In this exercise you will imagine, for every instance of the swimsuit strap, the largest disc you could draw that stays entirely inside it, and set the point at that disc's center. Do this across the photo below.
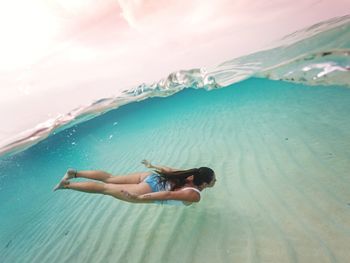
(195, 189)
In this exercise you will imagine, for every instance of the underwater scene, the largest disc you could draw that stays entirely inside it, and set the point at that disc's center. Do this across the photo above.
(273, 125)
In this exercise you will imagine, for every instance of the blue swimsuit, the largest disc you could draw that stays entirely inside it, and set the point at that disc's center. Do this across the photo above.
(153, 180)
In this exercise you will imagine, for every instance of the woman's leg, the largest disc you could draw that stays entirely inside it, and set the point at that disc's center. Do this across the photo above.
(95, 175)
(88, 187)
(109, 189)
(102, 176)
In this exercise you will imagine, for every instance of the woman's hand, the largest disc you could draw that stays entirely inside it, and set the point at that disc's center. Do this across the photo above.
(129, 195)
(158, 167)
(147, 163)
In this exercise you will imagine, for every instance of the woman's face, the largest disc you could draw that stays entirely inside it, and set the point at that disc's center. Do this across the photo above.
(211, 184)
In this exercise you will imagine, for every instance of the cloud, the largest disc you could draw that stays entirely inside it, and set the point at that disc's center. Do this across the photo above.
(168, 16)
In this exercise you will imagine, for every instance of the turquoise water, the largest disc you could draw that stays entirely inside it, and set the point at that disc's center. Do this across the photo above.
(280, 151)
(274, 126)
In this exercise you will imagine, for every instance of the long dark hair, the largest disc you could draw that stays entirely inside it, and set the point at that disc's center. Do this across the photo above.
(178, 178)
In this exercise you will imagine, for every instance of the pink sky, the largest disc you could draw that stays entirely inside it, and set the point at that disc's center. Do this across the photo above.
(60, 54)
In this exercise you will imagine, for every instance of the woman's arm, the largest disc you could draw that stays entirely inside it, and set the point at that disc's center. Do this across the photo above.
(158, 167)
(186, 196)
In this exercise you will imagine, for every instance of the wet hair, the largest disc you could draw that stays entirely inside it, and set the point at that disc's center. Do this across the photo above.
(200, 175)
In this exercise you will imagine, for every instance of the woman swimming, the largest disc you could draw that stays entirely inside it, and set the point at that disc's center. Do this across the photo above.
(160, 186)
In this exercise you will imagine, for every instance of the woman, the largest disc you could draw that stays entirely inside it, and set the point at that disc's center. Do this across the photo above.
(164, 185)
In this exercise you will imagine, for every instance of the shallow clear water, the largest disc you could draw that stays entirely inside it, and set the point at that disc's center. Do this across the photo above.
(280, 152)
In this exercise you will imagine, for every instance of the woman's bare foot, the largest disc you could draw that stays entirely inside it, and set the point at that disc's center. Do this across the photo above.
(71, 173)
(61, 185)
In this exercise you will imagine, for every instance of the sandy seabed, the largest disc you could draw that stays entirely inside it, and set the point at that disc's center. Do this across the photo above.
(280, 152)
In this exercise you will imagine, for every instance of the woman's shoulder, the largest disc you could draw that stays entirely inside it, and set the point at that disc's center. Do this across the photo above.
(190, 188)
(186, 194)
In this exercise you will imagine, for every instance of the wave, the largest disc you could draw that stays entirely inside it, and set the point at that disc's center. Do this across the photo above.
(317, 55)
(324, 47)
